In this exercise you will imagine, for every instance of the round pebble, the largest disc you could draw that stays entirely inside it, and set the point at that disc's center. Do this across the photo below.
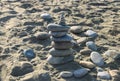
(97, 58)
(46, 16)
(91, 45)
(87, 64)
(66, 74)
(76, 29)
(42, 35)
(65, 38)
(91, 33)
(59, 60)
(29, 53)
(59, 53)
(58, 34)
(104, 75)
(80, 72)
(57, 27)
(62, 45)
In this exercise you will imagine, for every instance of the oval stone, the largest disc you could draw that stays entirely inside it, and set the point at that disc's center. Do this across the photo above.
(29, 53)
(59, 60)
(87, 64)
(80, 72)
(104, 75)
(65, 38)
(60, 53)
(91, 45)
(42, 35)
(76, 29)
(46, 16)
(66, 74)
(97, 58)
(58, 34)
(62, 45)
(57, 27)
(91, 33)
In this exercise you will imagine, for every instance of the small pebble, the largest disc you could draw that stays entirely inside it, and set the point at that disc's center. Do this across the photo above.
(87, 64)
(66, 74)
(58, 34)
(42, 35)
(104, 75)
(29, 53)
(91, 33)
(76, 29)
(97, 58)
(46, 16)
(80, 72)
(91, 45)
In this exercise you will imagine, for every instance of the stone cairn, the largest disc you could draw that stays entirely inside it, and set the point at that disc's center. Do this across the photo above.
(62, 51)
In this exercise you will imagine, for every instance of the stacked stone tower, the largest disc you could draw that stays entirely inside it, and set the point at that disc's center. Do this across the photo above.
(62, 51)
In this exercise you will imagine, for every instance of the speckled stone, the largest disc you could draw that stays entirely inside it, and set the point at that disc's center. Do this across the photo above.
(60, 60)
(57, 27)
(61, 53)
(91, 45)
(42, 35)
(62, 45)
(104, 75)
(65, 38)
(58, 34)
(80, 72)
(97, 58)
(91, 33)
(66, 74)
(76, 29)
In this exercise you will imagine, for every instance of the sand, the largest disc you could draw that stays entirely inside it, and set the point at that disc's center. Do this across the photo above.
(20, 19)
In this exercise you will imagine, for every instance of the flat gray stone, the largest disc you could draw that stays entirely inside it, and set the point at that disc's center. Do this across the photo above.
(65, 38)
(97, 59)
(42, 35)
(76, 29)
(80, 72)
(61, 53)
(62, 45)
(91, 45)
(91, 33)
(66, 74)
(57, 27)
(58, 34)
(104, 75)
(60, 60)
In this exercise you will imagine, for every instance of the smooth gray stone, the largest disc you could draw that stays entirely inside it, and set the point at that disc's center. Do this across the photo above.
(97, 59)
(46, 16)
(65, 38)
(66, 74)
(42, 35)
(76, 29)
(104, 75)
(91, 33)
(80, 72)
(57, 27)
(60, 60)
(91, 45)
(58, 34)
(61, 53)
(62, 45)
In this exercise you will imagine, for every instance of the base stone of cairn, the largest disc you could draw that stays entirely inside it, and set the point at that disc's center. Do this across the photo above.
(62, 51)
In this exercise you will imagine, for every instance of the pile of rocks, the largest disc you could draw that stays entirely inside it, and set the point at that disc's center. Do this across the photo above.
(62, 51)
